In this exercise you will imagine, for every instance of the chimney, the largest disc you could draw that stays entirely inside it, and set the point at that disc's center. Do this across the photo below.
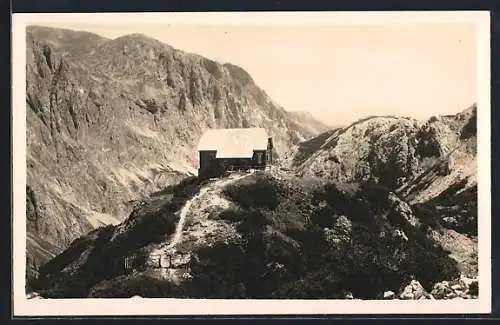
(270, 150)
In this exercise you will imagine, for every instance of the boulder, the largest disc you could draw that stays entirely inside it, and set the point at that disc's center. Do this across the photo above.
(413, 291)
(441, 290)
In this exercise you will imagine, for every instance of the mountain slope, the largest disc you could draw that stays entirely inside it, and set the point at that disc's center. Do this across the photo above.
(376, 149)
(393, 151)
(111, 121)
(430, 165)
(262, 235)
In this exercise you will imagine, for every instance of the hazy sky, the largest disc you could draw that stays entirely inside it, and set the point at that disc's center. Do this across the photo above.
(338, 73)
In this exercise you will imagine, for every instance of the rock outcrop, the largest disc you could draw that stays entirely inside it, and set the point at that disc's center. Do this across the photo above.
(421, 160)
(430, 165)
(459, 288)
(377, 149)
(414, 291)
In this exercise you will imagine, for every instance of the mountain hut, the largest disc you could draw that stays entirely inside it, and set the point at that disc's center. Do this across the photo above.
(222, 150)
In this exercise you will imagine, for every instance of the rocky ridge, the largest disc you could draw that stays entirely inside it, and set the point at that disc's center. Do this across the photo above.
(396, 152)
(431, 164)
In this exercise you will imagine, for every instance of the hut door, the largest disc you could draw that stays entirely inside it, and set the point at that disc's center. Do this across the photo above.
(259, 158)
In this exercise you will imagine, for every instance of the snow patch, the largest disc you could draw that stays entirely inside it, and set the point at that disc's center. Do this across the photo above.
(98, 219)
(142, 131)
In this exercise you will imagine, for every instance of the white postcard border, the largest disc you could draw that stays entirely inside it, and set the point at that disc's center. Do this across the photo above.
(119, 307)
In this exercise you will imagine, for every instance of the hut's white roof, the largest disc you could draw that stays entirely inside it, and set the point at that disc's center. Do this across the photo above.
(234, 143)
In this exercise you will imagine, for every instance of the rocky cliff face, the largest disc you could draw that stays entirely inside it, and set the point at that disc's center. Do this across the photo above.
(110, 121)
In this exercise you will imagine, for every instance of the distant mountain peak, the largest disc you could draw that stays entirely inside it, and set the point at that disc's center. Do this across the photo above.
(139, 38)
(308, 119)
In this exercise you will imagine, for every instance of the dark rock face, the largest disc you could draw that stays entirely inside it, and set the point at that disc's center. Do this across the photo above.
(110, 121)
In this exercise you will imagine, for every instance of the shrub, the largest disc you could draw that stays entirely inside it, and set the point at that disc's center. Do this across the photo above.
(429, 265)
(427, 215)
(255, 192)
(67, 286)
(376, 194)
(474, 288)
(300, 289)
(137, 284)
(318, 285)
(178, 189)
(470, 129)
(216, 285)
(282, 254)
(220, 271)
(233, 214)
(77, 247)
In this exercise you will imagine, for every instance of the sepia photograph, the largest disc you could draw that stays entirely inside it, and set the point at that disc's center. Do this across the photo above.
(299, 162)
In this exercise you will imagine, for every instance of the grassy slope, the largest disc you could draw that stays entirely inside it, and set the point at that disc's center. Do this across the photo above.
(99, 255)
(346, 244)
(300, 238)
